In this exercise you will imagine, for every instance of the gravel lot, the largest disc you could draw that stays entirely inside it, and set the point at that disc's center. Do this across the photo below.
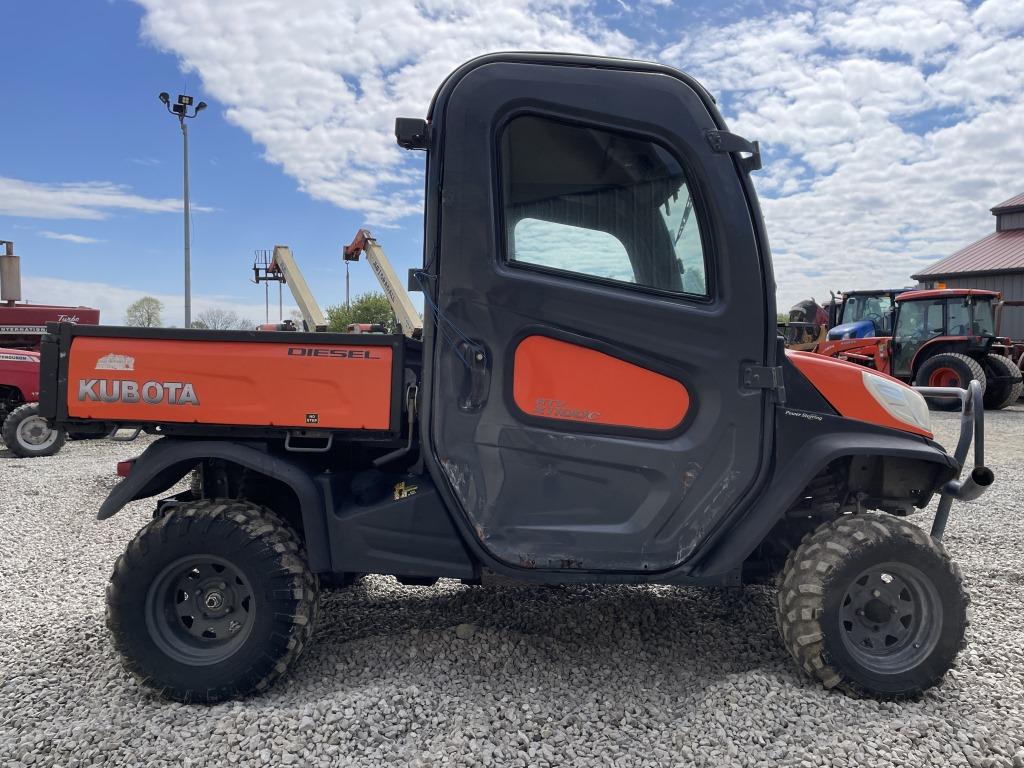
(455, 675)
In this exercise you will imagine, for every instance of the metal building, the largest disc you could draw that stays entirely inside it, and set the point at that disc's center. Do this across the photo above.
(995, 262)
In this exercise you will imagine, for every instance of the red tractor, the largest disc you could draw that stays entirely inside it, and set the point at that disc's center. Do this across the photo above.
(939, 338)
(24, 431)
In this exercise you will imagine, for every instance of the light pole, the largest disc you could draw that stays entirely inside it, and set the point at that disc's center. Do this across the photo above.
(180, 110)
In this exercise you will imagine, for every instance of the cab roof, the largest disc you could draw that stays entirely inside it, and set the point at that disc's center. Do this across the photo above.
(942, 293)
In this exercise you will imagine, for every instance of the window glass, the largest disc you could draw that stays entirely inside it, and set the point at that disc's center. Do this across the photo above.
(984, 318)
(563, 246)
(599, 204)
(958, 316)
(877, 309)
(921, 319)
(917, 322)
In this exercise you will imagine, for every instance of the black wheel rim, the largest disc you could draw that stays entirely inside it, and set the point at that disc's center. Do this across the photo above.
(200, 609)
(891, 618)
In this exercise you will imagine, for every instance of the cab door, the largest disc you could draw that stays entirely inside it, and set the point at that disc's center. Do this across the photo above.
(599, 287)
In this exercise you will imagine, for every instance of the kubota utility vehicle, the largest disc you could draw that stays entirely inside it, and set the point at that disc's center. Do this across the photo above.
(939, 338)
(599, 395)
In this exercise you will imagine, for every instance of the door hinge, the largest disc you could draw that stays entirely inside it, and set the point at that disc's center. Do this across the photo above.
(762, 377)
(723, 141)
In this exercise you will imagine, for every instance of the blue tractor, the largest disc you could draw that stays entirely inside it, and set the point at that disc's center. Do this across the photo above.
(863, 314)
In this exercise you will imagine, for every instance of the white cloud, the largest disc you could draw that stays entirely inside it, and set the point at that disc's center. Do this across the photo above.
(890, 126)
(895, 127)
(77, 200)
(319, 83)
(67, 237)
(113, 300)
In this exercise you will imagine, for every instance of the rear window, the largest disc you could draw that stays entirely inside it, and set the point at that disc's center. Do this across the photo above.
(600, 205)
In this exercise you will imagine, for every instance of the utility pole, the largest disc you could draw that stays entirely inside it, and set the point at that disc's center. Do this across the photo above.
(180, 110)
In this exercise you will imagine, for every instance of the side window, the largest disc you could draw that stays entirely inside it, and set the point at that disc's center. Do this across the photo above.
(572, 249)
(598, 204)
(958, 316)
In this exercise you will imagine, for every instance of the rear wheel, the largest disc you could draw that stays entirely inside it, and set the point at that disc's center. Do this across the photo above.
(212, 600)
(1001, 394)
(874, 605)
(949, 369)
(26, 433)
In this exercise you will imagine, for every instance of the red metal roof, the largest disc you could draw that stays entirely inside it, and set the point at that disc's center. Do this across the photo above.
(999, 252)
(942, 293)
(1013, 202)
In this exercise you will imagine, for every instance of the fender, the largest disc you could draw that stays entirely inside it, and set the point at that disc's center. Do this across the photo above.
(794, 470)
(936, 346)
(168, 460)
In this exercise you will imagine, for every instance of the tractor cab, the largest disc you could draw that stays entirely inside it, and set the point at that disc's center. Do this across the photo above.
(928, 320)
(865, 314)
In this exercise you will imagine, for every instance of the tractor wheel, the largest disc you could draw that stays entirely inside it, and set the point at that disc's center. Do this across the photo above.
(27, 434)
(213, 600)
(873, 605)
(999, 395)
(949, 369)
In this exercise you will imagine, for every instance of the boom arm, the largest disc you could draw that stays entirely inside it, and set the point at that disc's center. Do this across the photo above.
(285, 263)
(398, 297)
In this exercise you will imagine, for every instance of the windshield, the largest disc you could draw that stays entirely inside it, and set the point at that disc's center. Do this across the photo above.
(876, 308)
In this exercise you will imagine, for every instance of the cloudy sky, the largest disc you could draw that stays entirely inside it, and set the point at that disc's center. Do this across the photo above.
(889, 129)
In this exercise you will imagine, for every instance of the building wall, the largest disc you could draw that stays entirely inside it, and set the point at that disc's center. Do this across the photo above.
(1011, 286)
(1010, 221)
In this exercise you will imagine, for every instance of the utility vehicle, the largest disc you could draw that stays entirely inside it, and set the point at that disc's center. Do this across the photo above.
(599, 395)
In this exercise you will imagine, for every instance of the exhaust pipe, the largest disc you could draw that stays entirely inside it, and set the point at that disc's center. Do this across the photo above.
(10, 275)
(968, 490)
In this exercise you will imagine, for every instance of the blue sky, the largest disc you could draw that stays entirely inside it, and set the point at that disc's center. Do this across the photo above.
(889, 128)
(83, 107)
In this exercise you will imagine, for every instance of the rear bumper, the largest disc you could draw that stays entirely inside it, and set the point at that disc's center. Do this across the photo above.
(972, 429)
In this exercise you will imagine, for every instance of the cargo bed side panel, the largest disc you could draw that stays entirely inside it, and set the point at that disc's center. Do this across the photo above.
(202, 381)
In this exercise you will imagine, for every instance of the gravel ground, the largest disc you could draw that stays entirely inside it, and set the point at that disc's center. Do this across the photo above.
(456, 675)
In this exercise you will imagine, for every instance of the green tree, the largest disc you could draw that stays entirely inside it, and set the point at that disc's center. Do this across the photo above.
(147, 312)
(222, 320)
(366, 308)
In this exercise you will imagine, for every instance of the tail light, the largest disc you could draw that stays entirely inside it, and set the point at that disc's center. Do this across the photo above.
(124, 468)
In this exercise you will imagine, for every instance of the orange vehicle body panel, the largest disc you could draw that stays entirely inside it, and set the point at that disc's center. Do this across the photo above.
(558, 380)
(278, 384)
(875, 349)
(841, 383)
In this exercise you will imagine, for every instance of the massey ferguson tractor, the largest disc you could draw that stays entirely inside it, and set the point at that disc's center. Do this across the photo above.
(936, 338)
(598, 395)
(23, 430)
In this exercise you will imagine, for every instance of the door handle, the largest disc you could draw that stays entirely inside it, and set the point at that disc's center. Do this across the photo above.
(476, 382)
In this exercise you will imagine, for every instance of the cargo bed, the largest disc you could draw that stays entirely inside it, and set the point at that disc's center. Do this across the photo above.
(211, 383)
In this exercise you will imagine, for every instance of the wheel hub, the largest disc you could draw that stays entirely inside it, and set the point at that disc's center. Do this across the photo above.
(891, 617)
(199, 609)
(36, 432)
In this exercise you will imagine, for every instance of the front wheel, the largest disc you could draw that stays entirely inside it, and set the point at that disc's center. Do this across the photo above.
(26, 433)
(211, 601)
(873, 605)
(949, 369)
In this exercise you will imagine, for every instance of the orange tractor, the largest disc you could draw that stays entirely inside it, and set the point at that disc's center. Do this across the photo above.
(938, 338)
